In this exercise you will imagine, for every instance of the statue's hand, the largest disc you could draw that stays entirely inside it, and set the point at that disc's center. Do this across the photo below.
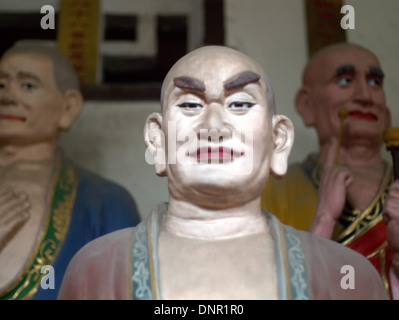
(14, 212)
(390, 215)
(334, 181)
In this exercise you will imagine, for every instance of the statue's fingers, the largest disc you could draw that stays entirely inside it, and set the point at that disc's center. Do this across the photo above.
(13, 207)
(6, 195)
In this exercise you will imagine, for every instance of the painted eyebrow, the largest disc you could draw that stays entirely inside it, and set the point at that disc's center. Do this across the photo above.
(345, 69)
(241, 79)
(21, 74)
(376, 72)
(190, 83)
(24, 74)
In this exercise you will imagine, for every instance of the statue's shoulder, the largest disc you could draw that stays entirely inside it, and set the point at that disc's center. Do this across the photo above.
(107, 243)
(101, 269)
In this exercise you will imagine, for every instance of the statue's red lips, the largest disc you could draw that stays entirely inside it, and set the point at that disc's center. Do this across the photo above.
(217, 153)
(12, 117)
(363, 115)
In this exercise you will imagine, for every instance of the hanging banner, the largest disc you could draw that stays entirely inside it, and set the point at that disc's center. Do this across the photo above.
(78, 36)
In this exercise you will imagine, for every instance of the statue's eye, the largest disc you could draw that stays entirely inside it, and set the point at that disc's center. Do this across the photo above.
(28, 85)
(240, 105)
(344, 81)
(190, 105)
(374, 82)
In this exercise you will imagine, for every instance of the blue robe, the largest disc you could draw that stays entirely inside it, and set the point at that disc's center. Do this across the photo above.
(100, 207)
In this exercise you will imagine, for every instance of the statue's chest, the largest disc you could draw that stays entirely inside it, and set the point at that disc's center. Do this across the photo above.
(225, 269)
(19, 246)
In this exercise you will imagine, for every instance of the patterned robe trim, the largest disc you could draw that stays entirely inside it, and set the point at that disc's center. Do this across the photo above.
(355, 223)
(59, 205)
(289, 252)
(290, 261)
(145, 275)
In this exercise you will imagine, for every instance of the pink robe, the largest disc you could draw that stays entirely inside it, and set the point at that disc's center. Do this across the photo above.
(308, 267)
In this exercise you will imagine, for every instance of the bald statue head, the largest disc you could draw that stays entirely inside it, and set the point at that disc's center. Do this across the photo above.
(313, 71)
(224, 54)
(344, 75)
(218, 105)
(63, 72)
(39, 95)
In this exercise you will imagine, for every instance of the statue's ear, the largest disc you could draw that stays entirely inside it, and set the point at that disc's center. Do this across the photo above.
(154, 140)
(71, 108)
(283, 137)
(304, 106)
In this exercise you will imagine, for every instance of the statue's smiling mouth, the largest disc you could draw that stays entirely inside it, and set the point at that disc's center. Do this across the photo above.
(219, 154)
(363, 115)
(12, 117)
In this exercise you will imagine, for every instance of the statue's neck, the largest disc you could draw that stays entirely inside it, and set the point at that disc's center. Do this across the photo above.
(10, 154)
(192, 221)
(355, 155)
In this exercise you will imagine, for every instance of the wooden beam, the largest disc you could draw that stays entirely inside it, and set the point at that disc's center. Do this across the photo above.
(323, 20)
(214, 22)
(122, 92)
